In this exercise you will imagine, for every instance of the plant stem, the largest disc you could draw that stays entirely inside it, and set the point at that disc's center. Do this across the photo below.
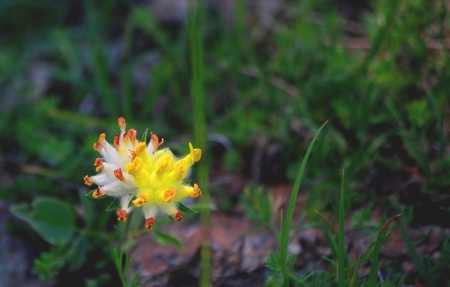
(198, 96)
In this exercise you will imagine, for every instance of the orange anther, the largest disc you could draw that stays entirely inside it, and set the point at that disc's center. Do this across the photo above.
(99, 164)
(97, 147)
(142, 198)
(168, 195)
(155, 141)
(132, 135)
(88, 180)
(122, 215)
(133, 154)
(149, 223)
(122, 123)
(118, 173)
(116, 140)
(196, 192)
(178, 216)
(101, 138)
(98, 193)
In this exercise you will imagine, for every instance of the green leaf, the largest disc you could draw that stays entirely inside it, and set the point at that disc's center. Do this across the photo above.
(111, 206)
(78, 252)
(200, 207)
(185, 209)
(144, 136)
(52, 219)
(166, 239)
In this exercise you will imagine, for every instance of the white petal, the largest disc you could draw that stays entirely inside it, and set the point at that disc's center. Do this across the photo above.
(149, 210)
(110, 153)
(125, 202)
(115, 189)
(101, 179)
(169, 208)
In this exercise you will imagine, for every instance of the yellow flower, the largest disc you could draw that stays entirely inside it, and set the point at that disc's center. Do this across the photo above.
(158, 177)
(151, 179)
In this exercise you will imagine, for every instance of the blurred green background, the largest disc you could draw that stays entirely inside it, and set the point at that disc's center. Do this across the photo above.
(274, 72)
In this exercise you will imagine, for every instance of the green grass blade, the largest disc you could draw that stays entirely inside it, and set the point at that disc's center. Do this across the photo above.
(415, 256)
(284, 237)
(409, 144)
(99, 63)
(341, 237)
(373, 275)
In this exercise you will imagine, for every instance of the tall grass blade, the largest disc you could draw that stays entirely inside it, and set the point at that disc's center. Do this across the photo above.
(373, 275)
(284, 236)
(341, 237)
(415, 256)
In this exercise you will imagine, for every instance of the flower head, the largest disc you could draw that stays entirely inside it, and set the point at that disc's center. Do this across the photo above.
(139, 173)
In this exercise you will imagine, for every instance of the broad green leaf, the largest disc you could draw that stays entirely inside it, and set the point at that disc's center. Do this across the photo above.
(166, 239)
(52, 219)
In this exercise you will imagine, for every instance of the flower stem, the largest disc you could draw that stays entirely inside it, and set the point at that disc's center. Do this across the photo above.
(198, 97)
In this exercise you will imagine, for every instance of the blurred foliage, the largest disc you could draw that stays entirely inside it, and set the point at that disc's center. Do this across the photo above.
(274, 73)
